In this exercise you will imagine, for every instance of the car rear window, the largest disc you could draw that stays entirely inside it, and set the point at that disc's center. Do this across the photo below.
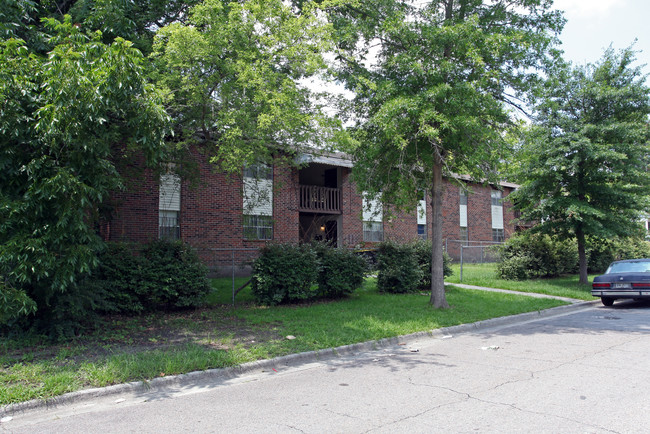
(629, 267)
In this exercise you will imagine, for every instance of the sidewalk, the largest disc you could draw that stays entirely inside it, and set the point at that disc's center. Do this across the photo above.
(528, 294)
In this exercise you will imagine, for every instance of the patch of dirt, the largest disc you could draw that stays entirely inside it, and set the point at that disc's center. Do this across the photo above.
(213, 327)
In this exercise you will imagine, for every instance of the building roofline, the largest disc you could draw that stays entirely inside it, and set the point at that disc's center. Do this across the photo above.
(340, 159)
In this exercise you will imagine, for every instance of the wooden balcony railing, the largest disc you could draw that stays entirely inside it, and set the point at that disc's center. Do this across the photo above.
(320, 199)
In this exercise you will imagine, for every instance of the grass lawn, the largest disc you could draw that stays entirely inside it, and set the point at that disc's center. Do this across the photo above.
(141, 348)
(484, 275)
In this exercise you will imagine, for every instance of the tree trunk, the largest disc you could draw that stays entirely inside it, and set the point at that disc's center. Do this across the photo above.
(582, 256)
(438, 298)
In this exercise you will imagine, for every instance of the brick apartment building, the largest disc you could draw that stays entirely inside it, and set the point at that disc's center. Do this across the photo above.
(225, 216)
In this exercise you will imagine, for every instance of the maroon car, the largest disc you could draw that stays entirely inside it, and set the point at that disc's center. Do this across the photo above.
(623, 279)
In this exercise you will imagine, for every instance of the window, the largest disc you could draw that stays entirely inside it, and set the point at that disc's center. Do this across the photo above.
(258, 227)
(496, 198)
(497, 216)
(373, 232)
(258, 171)
(258, 202)
(422, 217)
(462, 209)
(464, 235)
(169, 207)
(422, 232)
(168, 227)
(463, 196)
(373, 217)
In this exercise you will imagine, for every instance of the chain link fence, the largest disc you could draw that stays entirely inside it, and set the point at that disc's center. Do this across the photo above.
(475, 252)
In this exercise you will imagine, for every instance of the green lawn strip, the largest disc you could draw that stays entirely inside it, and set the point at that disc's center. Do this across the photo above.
(367, 315)
(484, 275)
(222, 291)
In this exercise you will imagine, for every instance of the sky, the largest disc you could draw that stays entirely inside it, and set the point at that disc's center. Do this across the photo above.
(592, 25)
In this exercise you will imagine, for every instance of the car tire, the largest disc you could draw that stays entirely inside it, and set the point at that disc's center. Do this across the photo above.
(607, 301)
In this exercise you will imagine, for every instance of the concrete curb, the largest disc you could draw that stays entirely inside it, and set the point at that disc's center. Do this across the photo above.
(289, 360)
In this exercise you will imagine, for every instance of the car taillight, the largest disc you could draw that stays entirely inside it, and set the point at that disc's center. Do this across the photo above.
(600, 285)
(640, 285)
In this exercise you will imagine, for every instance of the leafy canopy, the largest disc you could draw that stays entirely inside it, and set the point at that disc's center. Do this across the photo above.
(232, 74)
(434, 84)
(585, 158)
(68, 120)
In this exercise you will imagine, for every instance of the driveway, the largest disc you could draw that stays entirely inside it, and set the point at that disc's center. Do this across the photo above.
(585, 371)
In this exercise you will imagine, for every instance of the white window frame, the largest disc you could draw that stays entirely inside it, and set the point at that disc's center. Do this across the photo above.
(257, 202)
(169, 206)
(373, 219)
(497, 209)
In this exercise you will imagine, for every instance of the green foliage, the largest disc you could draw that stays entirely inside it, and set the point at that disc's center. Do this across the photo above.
(232, 75)
(585, 159)
(341, 271)
(398, 268)
(135, 20)
(433, 95)
(14, 304)
(601, 253)
(69, 120)
(163, 275)
(533, 255)
(285, 273)
(422, 252)
(530, 255)
(406, 267)
(175, 277)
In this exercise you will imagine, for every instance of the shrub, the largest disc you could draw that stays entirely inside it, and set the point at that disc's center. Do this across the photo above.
(284, 273)
(422, 251)
(631, 248)
(528, 255)
(174, 276)
(601, 253)
(341, 271)
(163, 275)
(398, 268)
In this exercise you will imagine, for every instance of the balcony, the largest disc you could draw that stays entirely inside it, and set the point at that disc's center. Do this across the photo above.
(321, 200)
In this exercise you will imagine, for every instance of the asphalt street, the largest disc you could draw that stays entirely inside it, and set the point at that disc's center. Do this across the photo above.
(584, 371)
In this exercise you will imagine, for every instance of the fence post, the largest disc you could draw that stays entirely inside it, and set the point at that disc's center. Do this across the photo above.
(461, 262)
(233, 277)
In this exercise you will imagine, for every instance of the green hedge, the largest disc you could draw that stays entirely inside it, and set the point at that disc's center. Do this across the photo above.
(406, 267)
(530, 255)
(341, 271)
(601, 253)
(162, 275)
(286, 273)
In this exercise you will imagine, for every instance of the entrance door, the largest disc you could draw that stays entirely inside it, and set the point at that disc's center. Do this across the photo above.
(331, 232)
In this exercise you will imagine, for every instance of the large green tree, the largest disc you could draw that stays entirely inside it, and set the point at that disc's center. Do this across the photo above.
(434, 83)
(233, 75)
(134, 20)
(585, 160)
(67, 120)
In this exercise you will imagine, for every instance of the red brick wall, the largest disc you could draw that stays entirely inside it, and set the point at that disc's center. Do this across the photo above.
(401, 226)
(351, 208)
(286, 216)
(211, 212)
(135, 210)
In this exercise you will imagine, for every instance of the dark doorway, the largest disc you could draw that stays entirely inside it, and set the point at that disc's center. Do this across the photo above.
(330, 232)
